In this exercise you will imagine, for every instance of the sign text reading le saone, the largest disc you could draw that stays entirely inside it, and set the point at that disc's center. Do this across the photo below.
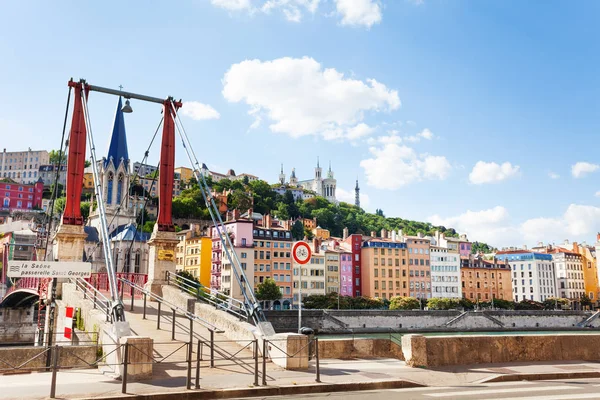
(49, 269)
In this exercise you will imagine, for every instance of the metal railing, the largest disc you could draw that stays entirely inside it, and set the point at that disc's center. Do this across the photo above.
(210, 296)
(96, 297)
(100, 280)
(174, 308)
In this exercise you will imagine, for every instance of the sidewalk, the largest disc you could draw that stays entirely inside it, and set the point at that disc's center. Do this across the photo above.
(93, 384)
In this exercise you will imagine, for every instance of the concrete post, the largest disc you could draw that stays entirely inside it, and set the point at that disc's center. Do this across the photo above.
(161, 259)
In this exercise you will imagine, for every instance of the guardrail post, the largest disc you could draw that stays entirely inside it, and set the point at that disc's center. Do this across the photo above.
(125, 362)
(158, 319)
(189, 367)
(107, 313)
(54, 371)
(95, 297)
(173, 326)
(198, 358)
(132, 297)
(212, 349)
(122, 287)
(191, 329)
(317, 357)
(264, 362)
(145, 296)
(255, 362)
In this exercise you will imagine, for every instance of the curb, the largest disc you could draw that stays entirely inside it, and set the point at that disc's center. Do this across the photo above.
(287, 390)
(542, 376)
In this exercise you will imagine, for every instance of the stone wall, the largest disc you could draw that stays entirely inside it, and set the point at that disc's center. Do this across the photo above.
(17, 325)
(372, 321)
(346, 349)
(437, 351)
(34, 358)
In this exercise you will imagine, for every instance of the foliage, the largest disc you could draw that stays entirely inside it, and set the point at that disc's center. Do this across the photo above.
(404, 303)
(330, 301)
(54, 157)
(585, 300)
(59, 205)
(504, 304)
(529, 305)
(552, 303)
(466, 304)
(87, 163)
(268, 290)
(298, 230)
(480, 247)
(185, 274)
(85, 210)
(148, 226)
(444, 303)
(239, 199)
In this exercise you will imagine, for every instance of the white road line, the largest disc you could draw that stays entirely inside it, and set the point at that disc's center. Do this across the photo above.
(575, 396)
(499, 391)
(474, 385)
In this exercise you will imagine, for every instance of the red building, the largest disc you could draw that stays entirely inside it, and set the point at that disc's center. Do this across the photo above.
(17, 196)
(355, 242)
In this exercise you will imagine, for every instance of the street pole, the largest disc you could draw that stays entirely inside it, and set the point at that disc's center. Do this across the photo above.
(299, 297)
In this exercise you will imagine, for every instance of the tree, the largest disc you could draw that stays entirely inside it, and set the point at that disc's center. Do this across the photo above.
(437, 303)
(553, 303)
(268, 290)
(148, 226)
(59, 188)
(246, 180)
(298, 230)
(59, 205)
(87, 163)
(54, 157)
(585, 301)
(85, 210)
(379, 212)
(404, 303)
(240, 200)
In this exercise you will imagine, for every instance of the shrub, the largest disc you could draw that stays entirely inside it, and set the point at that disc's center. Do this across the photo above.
(404, 303)
(442, 303)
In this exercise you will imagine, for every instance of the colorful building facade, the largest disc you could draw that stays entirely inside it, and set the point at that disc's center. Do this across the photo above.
(484, 280)
(384, 268)
(17, 197)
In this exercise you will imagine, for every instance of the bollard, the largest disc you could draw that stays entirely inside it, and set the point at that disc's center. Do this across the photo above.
(158, 319)
(125, 361)
(255, 362)
(264, 363)
(144, 316)
(54, 371)
(317, 357)
(188, 382)
(212, 349)
(173, 326)
(132, 298)
(198, 358)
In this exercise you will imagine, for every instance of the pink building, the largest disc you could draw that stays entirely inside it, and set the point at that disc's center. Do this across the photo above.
(464, 246)
(16, 196)
(346, 273)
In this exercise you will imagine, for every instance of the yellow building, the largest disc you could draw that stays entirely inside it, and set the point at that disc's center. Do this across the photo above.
(384, 268)
(321, 233)
(185, 173)
(88, 182)
(590, 271)
(193, 254)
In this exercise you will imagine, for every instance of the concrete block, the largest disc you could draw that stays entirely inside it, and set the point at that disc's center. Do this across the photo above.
(289, 350)
(140, 357)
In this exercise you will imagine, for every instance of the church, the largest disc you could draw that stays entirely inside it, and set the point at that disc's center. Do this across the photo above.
(324, 187)
(128, 243)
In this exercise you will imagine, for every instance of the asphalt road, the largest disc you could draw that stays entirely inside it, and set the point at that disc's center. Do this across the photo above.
(540, 390)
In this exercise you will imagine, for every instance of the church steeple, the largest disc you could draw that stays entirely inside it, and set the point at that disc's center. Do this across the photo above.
(318, 171)
(357, 195)
(117, 149)
(282, 176)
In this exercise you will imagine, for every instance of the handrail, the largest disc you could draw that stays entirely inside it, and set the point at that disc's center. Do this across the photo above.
(98, 299)
(186, 313)
(229, 304)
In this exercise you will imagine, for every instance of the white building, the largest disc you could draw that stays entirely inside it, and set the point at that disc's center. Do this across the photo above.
(324, 187)
(445, 273)
(533, 275)
(22, 166)
(312, 279)
(570, 283)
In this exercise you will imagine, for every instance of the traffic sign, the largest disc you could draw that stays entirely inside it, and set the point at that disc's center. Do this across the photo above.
(301, 252)
(49, 269)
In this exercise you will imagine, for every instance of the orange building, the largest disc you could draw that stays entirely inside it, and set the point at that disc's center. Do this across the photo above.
(384, 268)
(273, 258)
(419, 272)
(483, 280)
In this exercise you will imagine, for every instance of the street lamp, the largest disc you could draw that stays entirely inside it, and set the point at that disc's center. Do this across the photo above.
(127, 107)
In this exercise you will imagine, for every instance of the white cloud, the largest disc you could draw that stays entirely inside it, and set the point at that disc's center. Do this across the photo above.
(360, 130)
(199, 111)
(553, 175)
(597, 193)
(484, 172)
(424, 134)
(580, 169)
(302, 98)
(349, 197)
(577, 223)
(359, 12)
(491, 226)
(233, 5)
(393, 166)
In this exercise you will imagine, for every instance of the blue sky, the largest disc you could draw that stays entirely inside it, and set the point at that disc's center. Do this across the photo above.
(473, 114)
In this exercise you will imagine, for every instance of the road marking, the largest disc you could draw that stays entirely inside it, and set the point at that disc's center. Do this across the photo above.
(499, 391)
(575, 396)
(474, 385)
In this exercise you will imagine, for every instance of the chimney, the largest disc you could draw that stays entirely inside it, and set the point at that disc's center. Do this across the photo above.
(250, 213)
(394, 237)
(419, 234)
(383, 233)
(267, 221)
(598, 237)
(540, 244)
(345, 233)
(236, 214)
(524, 247)
(566, 241)
(373, 234)
(316, 246)
(400, 238)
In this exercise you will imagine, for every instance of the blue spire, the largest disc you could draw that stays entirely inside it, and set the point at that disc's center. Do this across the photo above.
(118, 140)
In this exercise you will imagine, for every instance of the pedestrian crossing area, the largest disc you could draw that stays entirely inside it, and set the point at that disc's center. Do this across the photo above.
(572, 390)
